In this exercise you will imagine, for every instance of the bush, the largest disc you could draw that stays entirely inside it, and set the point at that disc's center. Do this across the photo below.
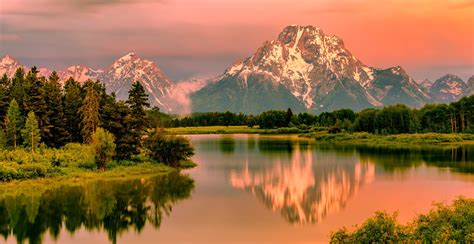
(103, 147)
(168, 149)
(444, 224)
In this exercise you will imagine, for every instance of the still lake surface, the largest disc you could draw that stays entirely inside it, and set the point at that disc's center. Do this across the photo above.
(247, 189)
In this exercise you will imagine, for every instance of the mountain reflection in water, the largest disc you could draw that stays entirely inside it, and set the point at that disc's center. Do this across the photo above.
(305, 182)
(112, 206)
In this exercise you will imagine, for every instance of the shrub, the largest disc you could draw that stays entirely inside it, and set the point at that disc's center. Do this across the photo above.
(103, 147)
(168, 149)
(444, 224)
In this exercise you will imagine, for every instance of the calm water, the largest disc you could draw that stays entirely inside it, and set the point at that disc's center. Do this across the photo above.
(246, 189)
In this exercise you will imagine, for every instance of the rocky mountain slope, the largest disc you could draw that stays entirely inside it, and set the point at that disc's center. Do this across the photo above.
(448, 88)
(118, 77)
(305, 64)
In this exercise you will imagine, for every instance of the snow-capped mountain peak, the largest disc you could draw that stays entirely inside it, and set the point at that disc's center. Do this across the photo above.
(129, 69)
(8, 65)
(80, 73)
(301, 58)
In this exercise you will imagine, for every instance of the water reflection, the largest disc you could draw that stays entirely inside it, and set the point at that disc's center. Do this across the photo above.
(305, 182)
(112, 206)
(304, 189)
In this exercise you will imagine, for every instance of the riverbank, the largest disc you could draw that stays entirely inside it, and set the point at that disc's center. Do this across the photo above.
(229, 130)
(72, 163)
(392, 140)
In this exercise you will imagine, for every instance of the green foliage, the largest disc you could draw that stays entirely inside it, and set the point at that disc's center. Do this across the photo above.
(90, 113)
(31, 133)
(138, 102)
(444, 224)
(103, 147)
(72, 106)
(13, 123)
(168, 149)
(58, 133)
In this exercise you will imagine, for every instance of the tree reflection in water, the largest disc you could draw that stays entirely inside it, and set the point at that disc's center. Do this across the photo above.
(112, 206)
(305, 183)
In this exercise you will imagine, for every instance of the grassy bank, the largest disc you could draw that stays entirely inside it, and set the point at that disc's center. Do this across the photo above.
(230, 130)
(72, 163)
(388, 140)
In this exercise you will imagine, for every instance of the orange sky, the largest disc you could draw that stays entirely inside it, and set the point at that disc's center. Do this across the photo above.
(202, 37)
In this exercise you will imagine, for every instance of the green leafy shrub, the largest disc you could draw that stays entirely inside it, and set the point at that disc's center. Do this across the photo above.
(103, 147)
(444, 224)
(168, 149)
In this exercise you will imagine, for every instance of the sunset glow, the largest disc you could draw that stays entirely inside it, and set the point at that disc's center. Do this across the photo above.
(191, 39)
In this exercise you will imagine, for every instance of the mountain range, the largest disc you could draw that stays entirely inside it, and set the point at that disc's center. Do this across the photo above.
(303, 68)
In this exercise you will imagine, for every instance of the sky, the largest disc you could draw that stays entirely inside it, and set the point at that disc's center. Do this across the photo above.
(200, 38)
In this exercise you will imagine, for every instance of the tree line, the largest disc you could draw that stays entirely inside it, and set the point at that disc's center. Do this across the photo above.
(37, 111)
(457, 117)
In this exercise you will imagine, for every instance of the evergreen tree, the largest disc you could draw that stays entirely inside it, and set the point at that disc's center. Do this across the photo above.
(13, 122)
(72, 106)
(138, 102)
(31, 132)
(90, 113)
(289, 116)
(36, 102)
(4, 96)
(3, 139)
(54, 101)
(18, 87)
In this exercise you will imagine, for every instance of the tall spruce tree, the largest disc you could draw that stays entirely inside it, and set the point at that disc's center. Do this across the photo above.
(13, 124)
(18, 87)
(36, 102)
(4, 96)
(31, 133)
(138, 102)
(54, 101)
(72, 106)
(90, 113)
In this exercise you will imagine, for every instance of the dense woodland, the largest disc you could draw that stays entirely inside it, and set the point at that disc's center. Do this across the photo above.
(457, 117)
(41, 112)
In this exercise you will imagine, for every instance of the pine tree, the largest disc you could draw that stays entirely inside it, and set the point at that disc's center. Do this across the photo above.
(18, 87)
(90, 114)
(4, 96)
(289, 116)
(116, 119)
(72, 107)
(138, 102)
(36, 102)
(31, 132)
(3, 139)
(54, 101)
(13, 122)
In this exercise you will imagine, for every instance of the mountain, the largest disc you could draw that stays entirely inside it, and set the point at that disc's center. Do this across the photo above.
(470, 87)
(118, 77)
(306, 70)
(128, 69)
(448, 88)
(80, 73)
(425, 84)
(393, 86)
(8, 65)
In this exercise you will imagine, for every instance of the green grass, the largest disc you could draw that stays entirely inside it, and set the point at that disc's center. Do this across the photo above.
(72, 163)
(400, 139)
(229, 130)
